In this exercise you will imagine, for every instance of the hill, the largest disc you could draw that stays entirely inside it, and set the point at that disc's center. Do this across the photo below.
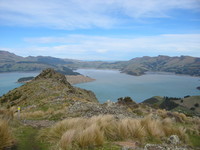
(49, 87)
(7, 57)
(10, 62)
(179, 65)
(188, 105)
(186, 65)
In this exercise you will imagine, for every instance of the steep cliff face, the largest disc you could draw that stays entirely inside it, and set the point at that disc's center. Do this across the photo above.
(48, 87)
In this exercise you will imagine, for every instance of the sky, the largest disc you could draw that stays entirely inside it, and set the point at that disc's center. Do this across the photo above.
(100, 29)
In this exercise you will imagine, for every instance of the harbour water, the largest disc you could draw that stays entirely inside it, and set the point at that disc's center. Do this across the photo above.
(111, 84)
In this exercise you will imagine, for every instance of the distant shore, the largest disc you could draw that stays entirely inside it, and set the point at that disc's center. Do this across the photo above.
(75, 79)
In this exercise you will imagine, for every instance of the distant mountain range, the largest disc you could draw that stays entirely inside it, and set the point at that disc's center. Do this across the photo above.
(10, 62)
(137, 66)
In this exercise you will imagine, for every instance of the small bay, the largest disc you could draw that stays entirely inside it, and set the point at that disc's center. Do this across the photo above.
(111, 84)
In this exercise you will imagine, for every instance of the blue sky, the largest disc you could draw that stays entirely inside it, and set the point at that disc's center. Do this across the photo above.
(100, 29)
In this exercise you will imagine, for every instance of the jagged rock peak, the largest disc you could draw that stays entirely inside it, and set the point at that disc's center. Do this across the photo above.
(52, 74)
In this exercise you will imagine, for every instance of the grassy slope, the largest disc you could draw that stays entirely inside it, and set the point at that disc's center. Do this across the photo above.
(184, 105)
(189, 102)
(180, 65)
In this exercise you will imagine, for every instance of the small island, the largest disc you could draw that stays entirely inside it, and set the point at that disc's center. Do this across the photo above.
(25, 79)
(198, 88)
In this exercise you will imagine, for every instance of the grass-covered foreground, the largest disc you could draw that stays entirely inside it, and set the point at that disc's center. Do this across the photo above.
(98, 132)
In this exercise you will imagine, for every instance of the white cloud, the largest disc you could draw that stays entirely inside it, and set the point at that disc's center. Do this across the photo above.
(72, 14)
(91, 47)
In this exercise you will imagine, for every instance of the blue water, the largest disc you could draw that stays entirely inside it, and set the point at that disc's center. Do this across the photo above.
(8, 81)
(111, 84)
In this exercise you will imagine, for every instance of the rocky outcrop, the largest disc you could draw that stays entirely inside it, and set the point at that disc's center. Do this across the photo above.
(85, 109)
(172, 143)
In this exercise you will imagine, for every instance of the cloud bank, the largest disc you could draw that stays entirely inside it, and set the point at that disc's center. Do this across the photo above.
(73, 14)
(109, 48)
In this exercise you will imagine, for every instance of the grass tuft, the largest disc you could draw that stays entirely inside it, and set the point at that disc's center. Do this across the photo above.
(6, 138)
(94, 131)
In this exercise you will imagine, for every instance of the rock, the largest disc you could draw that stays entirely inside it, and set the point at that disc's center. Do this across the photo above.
(173, 139)
(38, 123)
(109, 103)
(153, 147)
(165, 147)
(128, 145)
(88, 109)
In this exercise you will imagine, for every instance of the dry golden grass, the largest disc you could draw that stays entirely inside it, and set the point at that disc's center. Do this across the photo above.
(67, 139)
(153, 127)
(6, 138)
(40, 114)
(94, 131)
(91, 136)
(7, 114)
(179, 117)
(35, 114)
(130, 129)
(162, 113)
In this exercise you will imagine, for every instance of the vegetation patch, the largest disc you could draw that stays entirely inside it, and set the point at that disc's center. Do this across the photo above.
(95, 131)
(6, 138)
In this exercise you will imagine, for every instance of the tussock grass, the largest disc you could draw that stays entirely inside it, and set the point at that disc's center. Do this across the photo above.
(130, 128)
(41, 114)
(67, 139)
(94, 131)
(179, 117)
(7, 114)
(6, 138)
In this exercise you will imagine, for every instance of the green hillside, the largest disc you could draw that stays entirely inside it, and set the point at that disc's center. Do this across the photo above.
(188, 105)
(179, 65)
(10, 62)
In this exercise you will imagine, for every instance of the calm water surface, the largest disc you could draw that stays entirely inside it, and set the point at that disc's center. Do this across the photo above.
(111, 84)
